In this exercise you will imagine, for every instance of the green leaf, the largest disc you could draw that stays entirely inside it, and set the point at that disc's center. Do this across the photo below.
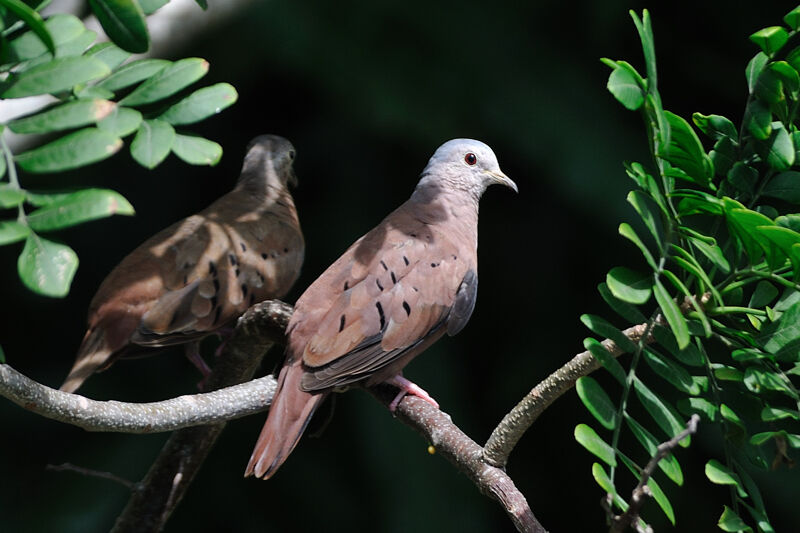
(676, 375)
(785, 186)
(770, 39)
(623, 85)
(625, 310)
(754, 68)
(150, 6)
(720, 474)
(597, 401)
(202, 3)
(655, 489)
(685, 151)
(730, 521)
(787, 74)
(76, 149)
(673, 314)
(201, 104)
(72, 114)
(196, 150)
(778, 149)
(133, 73)
(669, 464)
(723, 156)
(55, 76)
(729, 415)
(763, 295)
(47, 267)
(627, 231)
(642, 203)
(589, 439)
(12, 231)
(727, 373)
(689, 356)
(715, 126)
(783, 335)
(629, 285)
(167, 82)
(758, 379)
(123, 22)
(109, 53)
(713, 253)
(152, 142)
(78, 207)
(10, 196)
(769, 87)
(3, 358)
(33, 20)
(602, 479)
(771, 414)
(93, 92)
(605, 358)
(606, 329)
(664, 415)
(41, 199)
(707, 410)
(62, 28)
(744, 223)
(121, 121)
(758, 119)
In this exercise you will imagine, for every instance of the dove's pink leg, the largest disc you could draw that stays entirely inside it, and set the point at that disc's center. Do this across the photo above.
(408, 387)
(224, 334)
(193, 355)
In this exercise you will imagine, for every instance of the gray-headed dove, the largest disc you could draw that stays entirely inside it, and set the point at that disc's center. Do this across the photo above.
(392, 294)
(198, 275)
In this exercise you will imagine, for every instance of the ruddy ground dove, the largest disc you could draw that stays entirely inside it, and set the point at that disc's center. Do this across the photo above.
(392, 294)
(198, 275)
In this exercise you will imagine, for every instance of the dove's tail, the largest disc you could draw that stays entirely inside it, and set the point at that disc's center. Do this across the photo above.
(288, 417)
(93, 355)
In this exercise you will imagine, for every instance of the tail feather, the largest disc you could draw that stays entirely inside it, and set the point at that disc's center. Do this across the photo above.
(288, 417)
(93, 354)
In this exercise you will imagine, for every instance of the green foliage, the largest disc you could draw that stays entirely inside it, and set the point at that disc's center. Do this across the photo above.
(722, 263)
(97, 89)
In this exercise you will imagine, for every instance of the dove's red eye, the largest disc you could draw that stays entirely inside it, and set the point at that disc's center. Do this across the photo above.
(470, 158)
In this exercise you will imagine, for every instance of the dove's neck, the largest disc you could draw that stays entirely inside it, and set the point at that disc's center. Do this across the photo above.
(260, 179)
(439, 205)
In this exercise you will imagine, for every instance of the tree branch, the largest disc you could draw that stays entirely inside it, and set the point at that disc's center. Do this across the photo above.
(151, 505)
(464, 453)
(640, 494)
(508, 432)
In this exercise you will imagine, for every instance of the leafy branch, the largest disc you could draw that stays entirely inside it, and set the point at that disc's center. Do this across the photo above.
(99, 98)
(721, 237)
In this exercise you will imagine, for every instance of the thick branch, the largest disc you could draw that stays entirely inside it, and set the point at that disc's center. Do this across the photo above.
(642, 492)
(121, 417)
(438, 428)
(151, 505)
(508, 432)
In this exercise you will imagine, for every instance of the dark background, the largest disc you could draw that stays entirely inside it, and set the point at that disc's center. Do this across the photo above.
(366, 91)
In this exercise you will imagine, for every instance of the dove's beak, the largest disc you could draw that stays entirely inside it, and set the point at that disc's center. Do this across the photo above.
(501, 179)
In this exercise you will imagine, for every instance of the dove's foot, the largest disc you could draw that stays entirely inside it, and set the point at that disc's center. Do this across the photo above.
(408, 387)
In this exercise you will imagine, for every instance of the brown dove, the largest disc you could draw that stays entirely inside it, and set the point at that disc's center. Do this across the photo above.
(197, 276)
(393, 293)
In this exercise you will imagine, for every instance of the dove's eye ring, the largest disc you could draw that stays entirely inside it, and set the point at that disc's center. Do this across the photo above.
(470, 159)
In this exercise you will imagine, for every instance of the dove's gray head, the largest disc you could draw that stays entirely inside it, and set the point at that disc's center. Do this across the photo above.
(268, 161)
(464, 164)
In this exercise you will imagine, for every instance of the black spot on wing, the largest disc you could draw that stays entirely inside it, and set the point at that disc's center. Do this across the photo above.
(381, 315)
(341, 323)
(407, 308)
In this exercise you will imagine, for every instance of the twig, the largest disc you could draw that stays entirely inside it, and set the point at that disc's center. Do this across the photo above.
(508, 432)
(640, 494)
(68, 467)
(464, 453)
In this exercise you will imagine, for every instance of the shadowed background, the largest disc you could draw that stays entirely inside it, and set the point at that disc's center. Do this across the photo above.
(366, 92)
